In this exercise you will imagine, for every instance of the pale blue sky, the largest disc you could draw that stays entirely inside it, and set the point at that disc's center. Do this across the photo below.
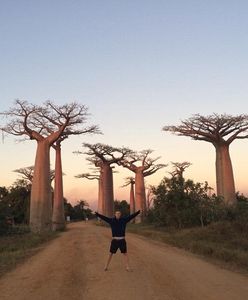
(138, 65)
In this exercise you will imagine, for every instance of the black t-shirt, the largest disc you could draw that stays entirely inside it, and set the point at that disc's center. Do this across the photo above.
(118, 226)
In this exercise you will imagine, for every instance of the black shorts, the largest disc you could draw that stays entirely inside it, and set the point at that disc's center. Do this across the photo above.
(118, 244)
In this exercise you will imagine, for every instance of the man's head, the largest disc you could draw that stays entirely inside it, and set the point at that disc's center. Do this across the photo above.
(117, 214)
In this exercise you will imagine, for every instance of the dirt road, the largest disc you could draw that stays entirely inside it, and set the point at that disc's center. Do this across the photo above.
(71, 267)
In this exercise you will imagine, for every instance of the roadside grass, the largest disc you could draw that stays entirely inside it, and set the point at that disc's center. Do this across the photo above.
(225, 243)
(19, 245)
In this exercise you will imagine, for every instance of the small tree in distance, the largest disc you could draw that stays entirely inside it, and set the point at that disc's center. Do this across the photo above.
(131, 181)
(98, 178)
(123, 206)
(104, 157)
(27, 174)
(142, 165)
(179, 168)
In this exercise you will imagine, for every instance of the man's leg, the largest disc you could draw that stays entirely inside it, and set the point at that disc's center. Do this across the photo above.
(112, 250)
(108, 261)
(126, 259)
(123, 248)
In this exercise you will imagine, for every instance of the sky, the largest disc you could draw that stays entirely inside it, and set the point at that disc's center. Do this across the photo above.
(138, 65)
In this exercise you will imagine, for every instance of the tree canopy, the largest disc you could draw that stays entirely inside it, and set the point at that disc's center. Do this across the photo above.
(215, 128)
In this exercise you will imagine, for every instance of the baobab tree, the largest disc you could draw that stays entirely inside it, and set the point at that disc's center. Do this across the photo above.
(149, 198)
(177, 173)
(58, 218)
(44, 124)
(103, 157)
(145, 168)
(27, 174)
(131, 181)
(179, 168)
(100, 190)
(221, 131)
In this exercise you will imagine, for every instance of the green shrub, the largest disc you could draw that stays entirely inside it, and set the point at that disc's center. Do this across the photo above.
(182, 204)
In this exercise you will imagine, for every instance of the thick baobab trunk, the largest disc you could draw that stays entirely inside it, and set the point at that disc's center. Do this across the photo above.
(140, 196)
(58, 218)
(41, 195)
(224, 175)
(108, 193)
(132, 203)
(100, 207)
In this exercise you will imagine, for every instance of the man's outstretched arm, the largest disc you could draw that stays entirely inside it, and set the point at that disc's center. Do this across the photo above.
(132, 216)
(104, 218)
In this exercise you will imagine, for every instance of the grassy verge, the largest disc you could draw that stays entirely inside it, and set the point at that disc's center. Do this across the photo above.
(15, 248)
(224, 243)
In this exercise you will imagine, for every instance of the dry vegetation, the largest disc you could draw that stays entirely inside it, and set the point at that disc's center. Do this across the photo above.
(16, 247)
(222, 242)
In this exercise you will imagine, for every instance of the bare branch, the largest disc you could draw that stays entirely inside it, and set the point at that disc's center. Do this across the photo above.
(21, 119)
(179, 168)
(154, 169)
(129, 181)
(214, 128)
(147, 164)
(49, 121)
(105, 153)
(27, 173)
(88, 176)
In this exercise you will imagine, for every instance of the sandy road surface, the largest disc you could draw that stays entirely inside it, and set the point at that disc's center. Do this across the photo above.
(71, 267)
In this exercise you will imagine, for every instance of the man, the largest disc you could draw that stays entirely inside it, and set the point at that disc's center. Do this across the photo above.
(118, 227)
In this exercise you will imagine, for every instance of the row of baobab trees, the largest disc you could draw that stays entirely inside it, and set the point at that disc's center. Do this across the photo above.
(50, 124)
(104, 157)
